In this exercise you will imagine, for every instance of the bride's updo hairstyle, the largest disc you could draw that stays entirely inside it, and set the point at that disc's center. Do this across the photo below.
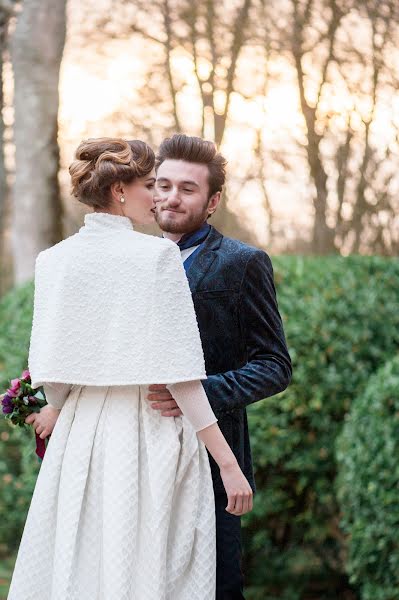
(100, 162)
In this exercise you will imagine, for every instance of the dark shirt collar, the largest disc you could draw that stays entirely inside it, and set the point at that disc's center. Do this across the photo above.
(194, 238)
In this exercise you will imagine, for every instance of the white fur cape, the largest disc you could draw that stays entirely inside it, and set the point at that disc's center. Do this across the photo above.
(113, 307)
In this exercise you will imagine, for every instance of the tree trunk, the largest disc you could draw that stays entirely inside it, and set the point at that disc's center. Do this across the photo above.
(6, 11)
(36, 53)
(3, 174)
(323, 236)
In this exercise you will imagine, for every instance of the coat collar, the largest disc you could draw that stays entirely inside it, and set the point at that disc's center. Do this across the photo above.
(101, 221)
(204, 259)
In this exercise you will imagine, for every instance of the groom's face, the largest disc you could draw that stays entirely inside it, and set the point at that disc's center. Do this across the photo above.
(181, 196)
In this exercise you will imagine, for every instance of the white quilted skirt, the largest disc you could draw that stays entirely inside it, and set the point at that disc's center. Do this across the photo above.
(123, 507)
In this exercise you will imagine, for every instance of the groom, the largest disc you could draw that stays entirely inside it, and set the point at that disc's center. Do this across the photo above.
(242, 335)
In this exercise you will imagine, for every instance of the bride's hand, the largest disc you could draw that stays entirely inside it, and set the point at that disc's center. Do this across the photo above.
(239, 492)
(44, 421)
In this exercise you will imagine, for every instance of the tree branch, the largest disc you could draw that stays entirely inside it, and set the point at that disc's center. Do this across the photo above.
(239, 30)
(168, 63)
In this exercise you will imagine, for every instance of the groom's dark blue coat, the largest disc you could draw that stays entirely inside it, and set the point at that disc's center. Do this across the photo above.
(246, 355)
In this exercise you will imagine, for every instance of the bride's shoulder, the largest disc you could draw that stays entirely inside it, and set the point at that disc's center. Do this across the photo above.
(54, 252)
(150, 243)
(125, 245)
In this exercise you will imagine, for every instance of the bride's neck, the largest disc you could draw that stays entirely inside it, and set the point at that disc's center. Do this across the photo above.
(110, 212)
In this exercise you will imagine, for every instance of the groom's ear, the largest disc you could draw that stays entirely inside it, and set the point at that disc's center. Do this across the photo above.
(214, 203)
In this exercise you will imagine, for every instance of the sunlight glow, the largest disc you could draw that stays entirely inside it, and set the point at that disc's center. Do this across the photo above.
(92, 93)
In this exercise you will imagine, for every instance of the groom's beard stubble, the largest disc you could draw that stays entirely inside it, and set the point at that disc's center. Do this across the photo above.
(180, 223)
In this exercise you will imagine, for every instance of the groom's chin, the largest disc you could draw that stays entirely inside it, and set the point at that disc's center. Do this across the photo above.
(170, 225)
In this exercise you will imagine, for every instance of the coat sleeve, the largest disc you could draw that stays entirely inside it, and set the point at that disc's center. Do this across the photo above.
(268, 369)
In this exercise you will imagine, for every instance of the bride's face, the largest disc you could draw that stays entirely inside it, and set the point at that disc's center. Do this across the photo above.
(139, 199)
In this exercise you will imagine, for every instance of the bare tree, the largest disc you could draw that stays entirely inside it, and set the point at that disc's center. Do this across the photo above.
(368, 166)
(211, 36)
(323, 235)
(352, 171)
(36, 52)
(6, 12)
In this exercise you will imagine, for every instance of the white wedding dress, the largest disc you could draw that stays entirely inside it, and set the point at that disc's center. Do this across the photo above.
(123, 507)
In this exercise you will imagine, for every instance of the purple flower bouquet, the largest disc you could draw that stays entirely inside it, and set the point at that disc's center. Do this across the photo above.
(19, 401)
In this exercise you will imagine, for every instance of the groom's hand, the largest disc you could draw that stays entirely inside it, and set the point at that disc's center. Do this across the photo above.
(161, 399)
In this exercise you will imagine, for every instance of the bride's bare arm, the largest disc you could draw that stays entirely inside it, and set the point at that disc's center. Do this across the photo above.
(193, 402)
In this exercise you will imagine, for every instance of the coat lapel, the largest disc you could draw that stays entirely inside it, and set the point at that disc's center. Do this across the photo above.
(204, 259)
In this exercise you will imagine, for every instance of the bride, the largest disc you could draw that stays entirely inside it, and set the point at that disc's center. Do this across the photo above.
(123, 507)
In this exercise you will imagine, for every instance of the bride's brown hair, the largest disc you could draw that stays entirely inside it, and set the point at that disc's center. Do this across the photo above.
(100, 162)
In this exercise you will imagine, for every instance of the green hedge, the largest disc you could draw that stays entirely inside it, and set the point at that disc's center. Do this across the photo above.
(15, 325)
(368, 485)
(18, 462)
(342, 323)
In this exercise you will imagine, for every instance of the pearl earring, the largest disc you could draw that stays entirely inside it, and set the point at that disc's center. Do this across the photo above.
(122, 199)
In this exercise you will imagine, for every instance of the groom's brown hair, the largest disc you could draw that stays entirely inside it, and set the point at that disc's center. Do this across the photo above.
(195, 150)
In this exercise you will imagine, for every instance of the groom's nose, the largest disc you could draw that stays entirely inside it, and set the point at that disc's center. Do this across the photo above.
(173, 197)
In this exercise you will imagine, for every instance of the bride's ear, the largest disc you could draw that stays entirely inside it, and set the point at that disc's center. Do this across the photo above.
(116, 190)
